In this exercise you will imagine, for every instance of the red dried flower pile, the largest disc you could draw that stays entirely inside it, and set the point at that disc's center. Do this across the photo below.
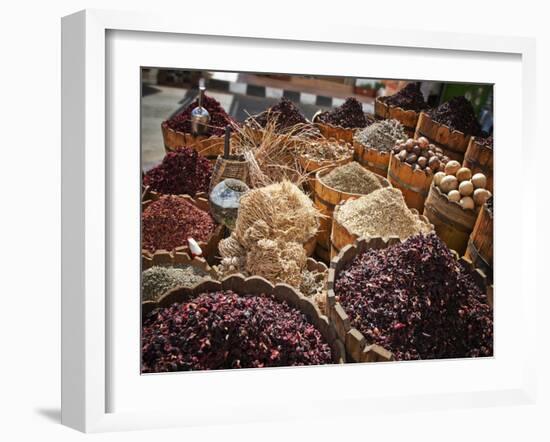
(183, 171)
(224, 330)
(167, 223)
(219, 118)
(416, 300)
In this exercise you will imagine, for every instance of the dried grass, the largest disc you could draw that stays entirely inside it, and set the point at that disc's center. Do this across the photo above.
(271, 154)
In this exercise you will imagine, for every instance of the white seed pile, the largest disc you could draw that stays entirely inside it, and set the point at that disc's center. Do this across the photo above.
(382, 213)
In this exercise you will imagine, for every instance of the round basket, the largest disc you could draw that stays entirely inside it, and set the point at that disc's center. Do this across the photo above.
(209, 248)
(340, 236)
(372, 159)
(357, 347)
(407, 118)
(453, 142)
(256, 285)
(208, 146)
(452, 223)
(311, 166)
(413, 183)
(325, 199)
(479, 158)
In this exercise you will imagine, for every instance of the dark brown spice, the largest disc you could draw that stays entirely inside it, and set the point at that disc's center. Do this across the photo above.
(457, 114)
(183, 171)
(408, 98)
(349, 115)
(168, 222)
(224, 330)
(416, 300)
(286, 115)
(219, 118)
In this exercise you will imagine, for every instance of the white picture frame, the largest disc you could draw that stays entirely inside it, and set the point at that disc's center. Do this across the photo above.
(88, 168)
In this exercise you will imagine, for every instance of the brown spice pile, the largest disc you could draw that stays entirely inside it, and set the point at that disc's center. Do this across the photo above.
(381, 213)
(325, 150)
(352, 178)
(167, 223)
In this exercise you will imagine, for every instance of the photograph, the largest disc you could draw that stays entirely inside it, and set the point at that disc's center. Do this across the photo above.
(303, 220)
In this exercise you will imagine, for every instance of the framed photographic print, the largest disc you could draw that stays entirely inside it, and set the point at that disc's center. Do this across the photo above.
(297, 211)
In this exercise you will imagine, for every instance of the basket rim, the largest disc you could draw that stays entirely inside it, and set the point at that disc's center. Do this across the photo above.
(381, 153)
(363, 244)
(414, 171)
(444, 195)
(432, 121)
(386, 105)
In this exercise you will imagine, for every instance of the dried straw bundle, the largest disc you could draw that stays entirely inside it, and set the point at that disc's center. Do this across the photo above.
(272, 154)
(273, 224)
(279, 211)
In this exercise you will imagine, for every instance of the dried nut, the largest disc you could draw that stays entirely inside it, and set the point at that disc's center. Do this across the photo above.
(454, 195)
(438, 177)
(452, 167)
(422, 161)
(448, 183)
(411, 158)
(416, 150)
(402, 155)
(466, 188)
(467, 203)
(479, 181)
(481, 196)
(423, 142)
(463, 174)
(428, 170)
(434, 163)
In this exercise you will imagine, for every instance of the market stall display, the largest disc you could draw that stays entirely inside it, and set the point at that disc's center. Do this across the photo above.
(336, 184)
(342, 121)
(404, 106)
(373, 145)
(236, 323)
(235, 252)
(450, 127)
(412, 167)
(380, 214)
(409, 300)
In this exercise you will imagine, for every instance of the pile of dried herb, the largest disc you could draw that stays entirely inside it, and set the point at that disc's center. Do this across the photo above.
(287, 117)
(349, 115)
(417, 301)
(382, 135)
(457, 114)
(219, 118)
(168, 222)
(408, 98)
(352, 178)
(224, 330)
(320, 150)
(183, 171)
(382, 213)
(158, 280)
